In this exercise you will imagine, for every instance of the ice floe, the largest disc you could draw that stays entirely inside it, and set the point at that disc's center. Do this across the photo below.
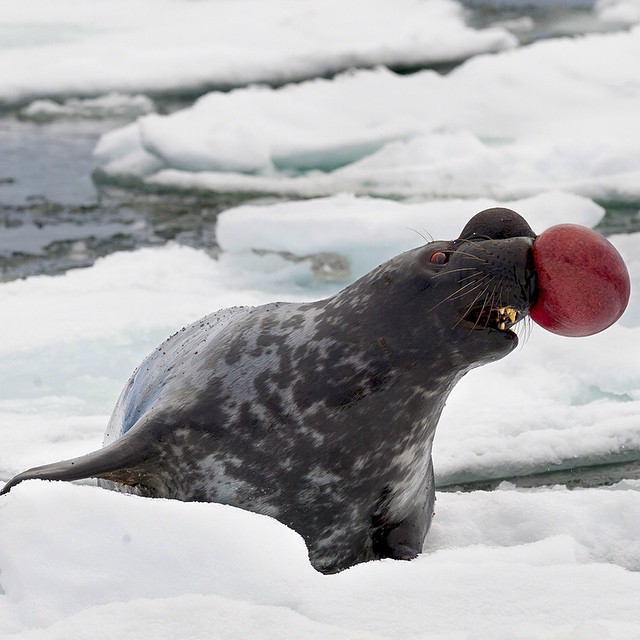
(112, 105)
(85, 47)
(516, 565)
(557, 114)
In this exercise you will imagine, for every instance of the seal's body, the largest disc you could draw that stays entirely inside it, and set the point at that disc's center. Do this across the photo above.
(322, 415)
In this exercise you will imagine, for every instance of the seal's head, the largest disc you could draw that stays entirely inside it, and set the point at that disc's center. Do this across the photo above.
(481, 284)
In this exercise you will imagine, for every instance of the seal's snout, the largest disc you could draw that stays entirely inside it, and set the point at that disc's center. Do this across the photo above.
(497, 223)
(574, 282)
(495, 282)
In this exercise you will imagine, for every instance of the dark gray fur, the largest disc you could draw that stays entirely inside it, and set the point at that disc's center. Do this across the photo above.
(321, 415)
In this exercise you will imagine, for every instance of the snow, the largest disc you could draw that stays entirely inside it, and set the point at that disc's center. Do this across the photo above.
(619, 11)
(98, 46)
(506, 564)
(486, 128)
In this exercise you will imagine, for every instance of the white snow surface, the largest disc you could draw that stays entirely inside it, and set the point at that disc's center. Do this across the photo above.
(86, 47)
(558, 114)
(619, 11)
(508, 565)
(511, 564)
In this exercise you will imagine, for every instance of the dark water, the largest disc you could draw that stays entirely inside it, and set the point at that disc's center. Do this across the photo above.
(533, 20)
(578, 477)
(53, 217)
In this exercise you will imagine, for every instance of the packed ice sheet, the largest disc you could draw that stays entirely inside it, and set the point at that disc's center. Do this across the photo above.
(88, 47)
(557, 114)
(516, 565)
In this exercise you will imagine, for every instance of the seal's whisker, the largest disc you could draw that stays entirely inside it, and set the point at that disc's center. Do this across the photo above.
(458, 293)
(491, 304)
(462, 294)
(461, 280)
(464, 289)
(445, 273)
(524, 330)
(484, 306)
(463, 316)
(428, 234)
(529, 327)
(422, 235)
(501, 292)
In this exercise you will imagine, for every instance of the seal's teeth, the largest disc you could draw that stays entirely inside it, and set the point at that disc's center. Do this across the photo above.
(502, 326)
(508, 313)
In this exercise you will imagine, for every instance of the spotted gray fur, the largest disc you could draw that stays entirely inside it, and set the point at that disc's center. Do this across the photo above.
(321, 414)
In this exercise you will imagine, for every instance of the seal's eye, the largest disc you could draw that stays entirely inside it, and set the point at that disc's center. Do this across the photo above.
(439, 257)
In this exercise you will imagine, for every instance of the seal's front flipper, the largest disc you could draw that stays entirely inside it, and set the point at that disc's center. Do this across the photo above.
(125, 461)
(404, 540)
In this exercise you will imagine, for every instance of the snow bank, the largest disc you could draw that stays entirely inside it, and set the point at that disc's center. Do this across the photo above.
(553, 115)
(90, 47)
(618, 11)
(508, 564)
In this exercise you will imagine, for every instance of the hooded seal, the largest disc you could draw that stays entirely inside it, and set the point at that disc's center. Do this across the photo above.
(322, 414)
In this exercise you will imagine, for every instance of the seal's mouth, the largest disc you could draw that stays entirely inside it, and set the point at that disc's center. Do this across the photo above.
(499, 318)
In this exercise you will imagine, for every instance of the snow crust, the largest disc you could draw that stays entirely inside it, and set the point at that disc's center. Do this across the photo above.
(619, 11)
(553, 115)
(507, 564)
(86, 47)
